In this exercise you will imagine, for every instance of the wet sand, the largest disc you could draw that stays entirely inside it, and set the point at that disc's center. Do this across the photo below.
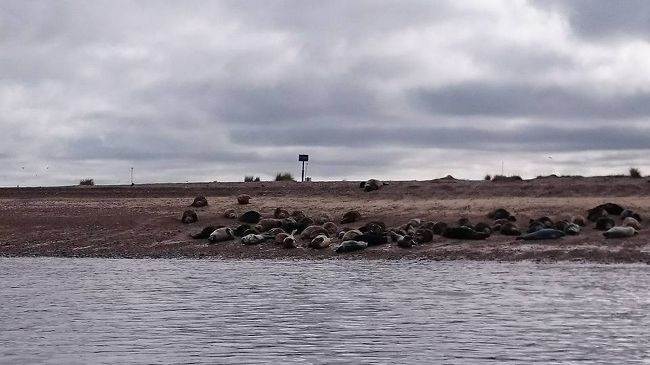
(144, 221)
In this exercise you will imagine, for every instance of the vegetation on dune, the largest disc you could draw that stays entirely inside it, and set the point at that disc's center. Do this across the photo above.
(284, 176)
(635, 173)
(251, 179)
(502, 178)
(88, 182)
(487, 177)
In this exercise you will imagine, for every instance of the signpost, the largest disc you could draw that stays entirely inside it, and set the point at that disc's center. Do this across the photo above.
(303, 159)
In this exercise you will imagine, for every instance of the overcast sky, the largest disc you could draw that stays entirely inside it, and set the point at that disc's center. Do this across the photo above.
(215, 90)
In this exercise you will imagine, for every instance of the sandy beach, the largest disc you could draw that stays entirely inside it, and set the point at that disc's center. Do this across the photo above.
(144, 221)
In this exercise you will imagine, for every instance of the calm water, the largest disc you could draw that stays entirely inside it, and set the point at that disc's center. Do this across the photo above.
(83, 311)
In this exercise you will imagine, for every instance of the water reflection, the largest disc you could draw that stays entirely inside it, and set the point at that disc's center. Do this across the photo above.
(185, 311)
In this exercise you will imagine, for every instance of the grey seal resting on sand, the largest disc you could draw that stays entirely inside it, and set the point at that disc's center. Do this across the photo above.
(464, 233)
(199, 202)
(350, 246)
(542, 234)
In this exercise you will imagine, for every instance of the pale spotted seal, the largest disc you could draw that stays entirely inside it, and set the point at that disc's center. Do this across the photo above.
(230, 214)
(319, 242)
(620, 232)
(269, 223)
(572, 229)
(631, 222)
(253, 239)
(221, 234)
(290, 241)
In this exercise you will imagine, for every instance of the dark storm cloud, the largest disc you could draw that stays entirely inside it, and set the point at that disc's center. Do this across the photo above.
(604, 18)
(494, 99)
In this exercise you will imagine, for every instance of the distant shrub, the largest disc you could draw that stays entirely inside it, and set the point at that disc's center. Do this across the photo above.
(89, 182)
(284, 176)
(635, 173)
(501, 178)
(251, 178)
(487, 177)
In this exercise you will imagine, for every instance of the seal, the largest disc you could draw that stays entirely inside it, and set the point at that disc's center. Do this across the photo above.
(253, 239)
(312, 231)
(199, 202)
(371, 185)
(629, 213)
(423, 235)
(350, 235)
(604, 223)
(230, 214)
(510, 229)
(464, 221)
(561, 225)
(501, 213)
(322, 218)
(298, 215)
(243, 199)
(280, 213)
(415, 222)
(189, 216)
(239, 231)
(289, 224)
(439, 228)
(542, 234)
(279, 238)
(611, 208)
(269, 223)
(350, 217)
(221, 234)
(483, 227)
(319, 242)
(464, 233)
(405, 241)
(331, 227)
(546, 221)
(596, 213)
(374, 227)
(250, 231)
(275, 231)
(251, 217)
(572, 229)
(620, 232)
(631, 222)
(579, 220)
(372, 239)
(289, 241)
(535, 226)
(351, 246)
(205, 233)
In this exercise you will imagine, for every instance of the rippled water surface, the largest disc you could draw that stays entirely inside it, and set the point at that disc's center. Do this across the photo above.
(81, 311)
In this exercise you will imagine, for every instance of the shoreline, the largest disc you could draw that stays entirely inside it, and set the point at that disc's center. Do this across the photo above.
(138, 222)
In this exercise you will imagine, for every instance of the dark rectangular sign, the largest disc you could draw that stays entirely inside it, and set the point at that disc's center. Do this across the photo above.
(303, 157)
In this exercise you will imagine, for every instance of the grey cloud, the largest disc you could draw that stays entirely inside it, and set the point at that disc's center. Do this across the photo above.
(529, 138)
(504, 100)
(604, 18)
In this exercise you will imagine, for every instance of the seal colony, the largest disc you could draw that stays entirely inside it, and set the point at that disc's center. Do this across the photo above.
(298, 230)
